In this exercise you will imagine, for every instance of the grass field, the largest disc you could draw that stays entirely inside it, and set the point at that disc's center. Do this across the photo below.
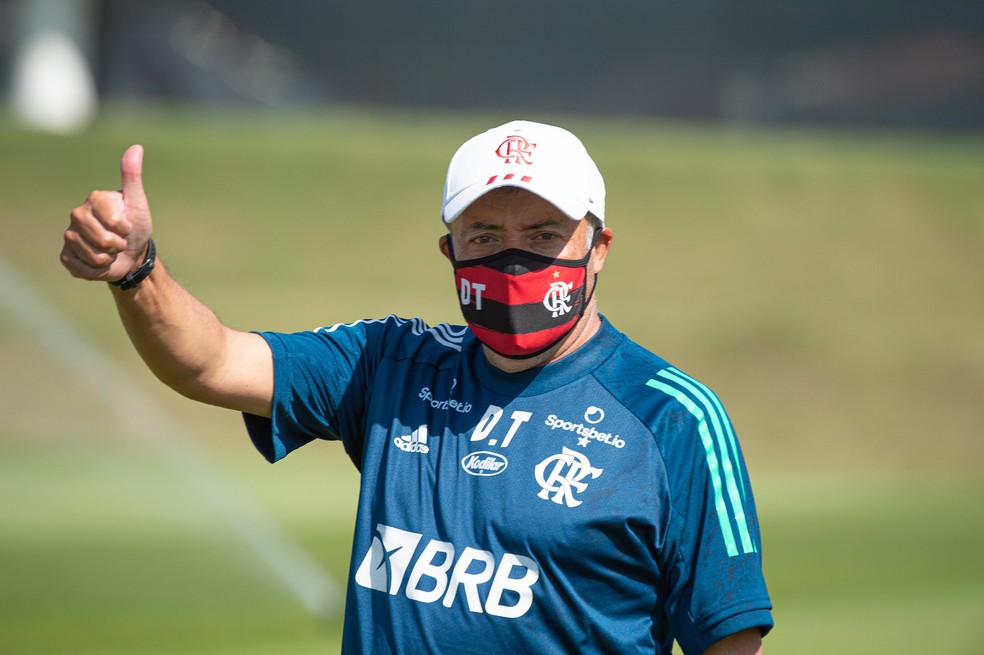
(828, 285)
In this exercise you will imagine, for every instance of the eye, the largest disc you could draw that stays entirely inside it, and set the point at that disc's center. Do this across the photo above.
(547, 239)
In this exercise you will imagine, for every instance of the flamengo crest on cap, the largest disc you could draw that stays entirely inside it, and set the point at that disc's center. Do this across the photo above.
(516, 150)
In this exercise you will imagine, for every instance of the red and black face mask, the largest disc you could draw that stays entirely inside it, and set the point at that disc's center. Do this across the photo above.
(518, 303)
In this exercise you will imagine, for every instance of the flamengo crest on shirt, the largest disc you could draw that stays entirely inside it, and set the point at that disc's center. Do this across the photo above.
(561, 476)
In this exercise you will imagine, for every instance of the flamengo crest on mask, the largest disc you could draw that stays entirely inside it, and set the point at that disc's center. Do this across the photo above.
(558, 298)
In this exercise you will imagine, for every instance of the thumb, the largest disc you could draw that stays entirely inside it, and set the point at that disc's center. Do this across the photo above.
(131, 175)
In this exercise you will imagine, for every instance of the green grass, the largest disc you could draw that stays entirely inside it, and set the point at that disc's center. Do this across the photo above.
(827, 285)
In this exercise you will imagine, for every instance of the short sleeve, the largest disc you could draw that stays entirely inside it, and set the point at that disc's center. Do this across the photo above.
(320, 385)
(712, 553)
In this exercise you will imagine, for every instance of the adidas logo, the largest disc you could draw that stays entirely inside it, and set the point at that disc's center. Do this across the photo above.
(415, 442)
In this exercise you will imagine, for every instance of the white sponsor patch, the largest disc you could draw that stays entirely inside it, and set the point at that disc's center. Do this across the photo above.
(586, 432)
(440, 571)
(415, 442)
(447, 405)
(484, 463)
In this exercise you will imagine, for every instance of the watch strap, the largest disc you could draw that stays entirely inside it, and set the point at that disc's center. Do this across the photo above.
(138, 275)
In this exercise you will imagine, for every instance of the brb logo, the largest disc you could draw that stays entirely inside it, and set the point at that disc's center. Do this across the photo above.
(516, 150)
(442, 573)
(560, 477)
(558, 298)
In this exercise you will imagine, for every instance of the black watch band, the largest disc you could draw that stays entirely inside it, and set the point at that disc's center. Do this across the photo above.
(135, 277)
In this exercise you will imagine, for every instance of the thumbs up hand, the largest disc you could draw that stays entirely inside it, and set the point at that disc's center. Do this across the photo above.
(108, 234)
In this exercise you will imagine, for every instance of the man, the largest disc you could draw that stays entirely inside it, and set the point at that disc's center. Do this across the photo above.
(534, 482)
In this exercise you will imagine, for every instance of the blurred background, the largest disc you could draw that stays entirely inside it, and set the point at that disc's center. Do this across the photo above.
(797, 194)
(843, 62)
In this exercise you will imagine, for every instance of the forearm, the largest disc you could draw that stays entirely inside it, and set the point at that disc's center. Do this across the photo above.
(183, 342)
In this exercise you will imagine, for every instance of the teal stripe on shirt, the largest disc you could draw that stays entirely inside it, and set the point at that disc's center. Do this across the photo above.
(727, 426)
(712, 461)
(711, 418)
(729, 462)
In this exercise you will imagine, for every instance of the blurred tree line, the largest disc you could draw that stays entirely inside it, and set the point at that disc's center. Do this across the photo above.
(858, 62)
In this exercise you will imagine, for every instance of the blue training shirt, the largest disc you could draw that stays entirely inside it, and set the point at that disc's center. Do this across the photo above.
(599, 504)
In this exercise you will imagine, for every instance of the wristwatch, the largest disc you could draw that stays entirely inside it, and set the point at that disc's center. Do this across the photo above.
(138, 275)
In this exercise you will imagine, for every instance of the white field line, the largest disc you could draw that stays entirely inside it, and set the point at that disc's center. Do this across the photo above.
(286, 559)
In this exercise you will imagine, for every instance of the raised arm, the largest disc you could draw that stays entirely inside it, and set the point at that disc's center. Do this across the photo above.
(180, 339)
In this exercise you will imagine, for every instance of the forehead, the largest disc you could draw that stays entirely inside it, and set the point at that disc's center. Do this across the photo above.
(511, 207)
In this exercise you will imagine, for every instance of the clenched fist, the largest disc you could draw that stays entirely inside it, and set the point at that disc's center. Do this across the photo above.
(108, 234)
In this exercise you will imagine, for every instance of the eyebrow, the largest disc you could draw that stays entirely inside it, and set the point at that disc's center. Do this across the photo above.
(479, 226)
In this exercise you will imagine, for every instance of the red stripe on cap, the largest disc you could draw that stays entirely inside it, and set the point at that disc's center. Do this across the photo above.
(525, 178)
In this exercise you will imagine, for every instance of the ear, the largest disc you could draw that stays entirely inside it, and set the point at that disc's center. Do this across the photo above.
(442, 244)
(600, 251)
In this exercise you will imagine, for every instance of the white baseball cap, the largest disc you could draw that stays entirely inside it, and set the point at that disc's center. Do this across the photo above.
(546, 160)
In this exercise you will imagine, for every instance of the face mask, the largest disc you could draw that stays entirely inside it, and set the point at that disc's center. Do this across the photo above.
(518, 303)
